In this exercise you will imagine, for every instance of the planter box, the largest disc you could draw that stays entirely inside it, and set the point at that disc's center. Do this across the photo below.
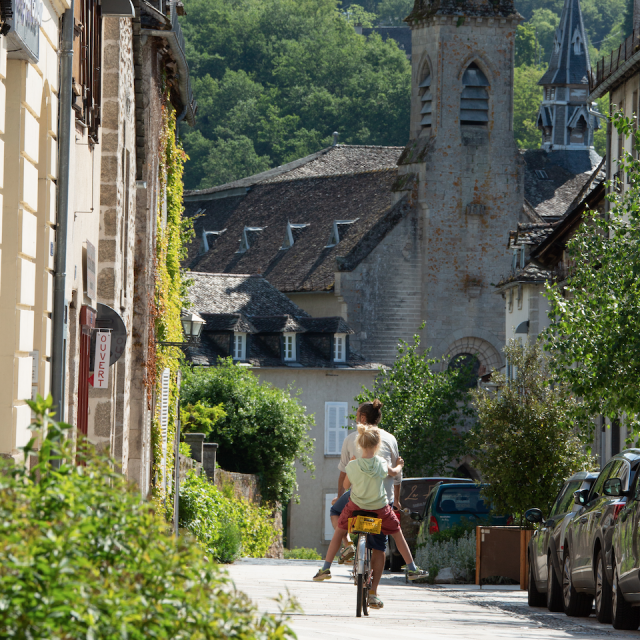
(502, 551)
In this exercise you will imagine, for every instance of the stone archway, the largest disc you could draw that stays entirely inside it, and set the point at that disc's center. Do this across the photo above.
(485, 352)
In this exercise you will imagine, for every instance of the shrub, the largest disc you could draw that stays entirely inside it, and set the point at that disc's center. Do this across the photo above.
(301, 553)
(457, 553)
(84, 557)
(224, 525)
(264, 429)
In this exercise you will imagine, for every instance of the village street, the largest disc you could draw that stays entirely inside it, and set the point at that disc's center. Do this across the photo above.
(411, 611)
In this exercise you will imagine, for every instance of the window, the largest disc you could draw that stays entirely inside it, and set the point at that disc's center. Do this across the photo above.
(426, 99)
(474, 101)
(292, 233)
(335, 427)
(577, 43)
(564, 501)
(239, 346)
(520, 296)
(550, 93)
(289, 346)
(469, 366)
(249, 237)
(596, 490)
(339, 347)
(339, 227)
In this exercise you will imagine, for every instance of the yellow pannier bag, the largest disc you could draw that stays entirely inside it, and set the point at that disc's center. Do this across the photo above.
(362, 524)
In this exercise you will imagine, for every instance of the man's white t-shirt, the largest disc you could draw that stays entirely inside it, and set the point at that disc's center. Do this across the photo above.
(388, 451)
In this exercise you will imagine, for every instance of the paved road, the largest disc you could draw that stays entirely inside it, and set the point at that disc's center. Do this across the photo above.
(411, 611)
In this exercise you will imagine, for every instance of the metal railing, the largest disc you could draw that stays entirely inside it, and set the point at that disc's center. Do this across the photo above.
(606, 67)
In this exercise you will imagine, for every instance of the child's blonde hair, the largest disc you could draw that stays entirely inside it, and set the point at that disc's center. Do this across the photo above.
(368, 437)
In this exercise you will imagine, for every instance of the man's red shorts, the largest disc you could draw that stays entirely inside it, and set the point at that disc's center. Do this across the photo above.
(390, 523)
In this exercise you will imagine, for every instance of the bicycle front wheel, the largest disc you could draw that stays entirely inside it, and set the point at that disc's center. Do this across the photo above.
(359, 599)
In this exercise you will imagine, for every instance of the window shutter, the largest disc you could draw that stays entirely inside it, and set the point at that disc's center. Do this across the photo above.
(164, 422)
(335, 422)
(342, 424)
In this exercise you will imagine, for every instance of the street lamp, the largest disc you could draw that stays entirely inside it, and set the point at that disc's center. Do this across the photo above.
(192, 324)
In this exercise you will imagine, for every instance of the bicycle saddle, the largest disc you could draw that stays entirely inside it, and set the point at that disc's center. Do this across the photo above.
(366, 514)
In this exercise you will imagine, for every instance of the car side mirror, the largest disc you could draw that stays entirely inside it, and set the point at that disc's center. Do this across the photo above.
(580, 497)
(534, 516)
(414, 515)
(613, 487)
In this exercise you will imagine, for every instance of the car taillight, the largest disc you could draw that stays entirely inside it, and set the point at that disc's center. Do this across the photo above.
(617, 508)
(433, 525)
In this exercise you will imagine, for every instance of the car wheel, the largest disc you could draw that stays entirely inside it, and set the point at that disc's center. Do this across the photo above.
(575, 604)
(554, 589)
(603, 591)
(623, 615)
(534, 597)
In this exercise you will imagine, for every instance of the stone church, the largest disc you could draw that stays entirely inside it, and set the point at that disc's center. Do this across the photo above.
(391, 237)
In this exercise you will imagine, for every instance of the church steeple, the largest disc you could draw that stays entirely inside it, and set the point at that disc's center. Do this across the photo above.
(566, 118)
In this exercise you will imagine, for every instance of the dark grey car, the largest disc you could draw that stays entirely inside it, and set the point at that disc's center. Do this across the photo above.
(545, 547)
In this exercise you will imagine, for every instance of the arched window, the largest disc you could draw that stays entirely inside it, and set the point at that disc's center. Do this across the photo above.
(469, 365)
(425, 99)
(474, 101)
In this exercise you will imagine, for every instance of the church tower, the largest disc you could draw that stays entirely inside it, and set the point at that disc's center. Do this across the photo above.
(463, 170)
(566, 118)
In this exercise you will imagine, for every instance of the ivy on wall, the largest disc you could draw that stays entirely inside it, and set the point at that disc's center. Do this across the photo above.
(173, 234)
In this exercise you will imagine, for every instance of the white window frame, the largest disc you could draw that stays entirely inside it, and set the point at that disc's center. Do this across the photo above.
(340, 347)
(289, 341)
(241, 340)
(336, 427)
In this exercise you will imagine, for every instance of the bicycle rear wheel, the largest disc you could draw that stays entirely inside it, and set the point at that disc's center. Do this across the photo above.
(366, 582)
(359, 599)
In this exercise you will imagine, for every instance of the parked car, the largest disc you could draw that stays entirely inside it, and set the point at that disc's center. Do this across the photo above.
(546, 545)
(625, 612)
(414, 493)
(587, 571)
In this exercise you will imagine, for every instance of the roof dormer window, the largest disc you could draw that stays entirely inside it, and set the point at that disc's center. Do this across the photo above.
(577, 43)
(249, 237)
(426, 99)
(335, 232)
(239, 346)
(290, 237)
(289, 347)
(339, 347)
(208, 238)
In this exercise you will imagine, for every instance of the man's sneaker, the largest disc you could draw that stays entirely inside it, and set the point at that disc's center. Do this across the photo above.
(417, 574)
(346, 554)
(323, 574)
(375, 602)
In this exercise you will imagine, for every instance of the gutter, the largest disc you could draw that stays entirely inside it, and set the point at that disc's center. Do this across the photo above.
(617, 75)
(59, 347)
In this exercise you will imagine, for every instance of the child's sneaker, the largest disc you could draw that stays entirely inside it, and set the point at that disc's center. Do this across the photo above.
(417, 574)
(346, 554)
(375, 602)
(323, 574)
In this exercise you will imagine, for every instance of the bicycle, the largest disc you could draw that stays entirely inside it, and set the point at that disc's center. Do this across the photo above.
(363, 523)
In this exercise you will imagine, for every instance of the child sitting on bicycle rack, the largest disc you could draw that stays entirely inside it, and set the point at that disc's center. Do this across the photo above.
(365, 476)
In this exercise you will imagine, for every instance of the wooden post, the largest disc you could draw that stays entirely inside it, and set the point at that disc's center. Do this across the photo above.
(478, 552)
(525, 536)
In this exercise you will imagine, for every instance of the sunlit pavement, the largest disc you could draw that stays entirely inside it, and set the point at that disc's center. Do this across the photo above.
(410, 611)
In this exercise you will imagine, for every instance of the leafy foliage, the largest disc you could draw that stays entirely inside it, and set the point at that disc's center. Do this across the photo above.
(265, 429)
(426, 410)
(84, 557)
(301, 553)
(226, 526)
(527, 97)
(275, 78)
(528, 439)
(593, 336)
(198, 418)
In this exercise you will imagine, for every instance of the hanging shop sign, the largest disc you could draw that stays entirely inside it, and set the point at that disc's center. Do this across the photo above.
(110, 319)
(101, 359)
(24, 33)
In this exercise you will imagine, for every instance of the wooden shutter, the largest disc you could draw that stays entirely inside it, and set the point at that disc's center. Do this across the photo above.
(335, 423)
(164, 422)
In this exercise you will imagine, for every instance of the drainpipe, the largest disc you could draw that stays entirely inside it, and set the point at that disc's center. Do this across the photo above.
(58, 356)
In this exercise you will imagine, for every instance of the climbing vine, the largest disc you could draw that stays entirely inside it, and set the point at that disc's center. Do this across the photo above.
(173, 234)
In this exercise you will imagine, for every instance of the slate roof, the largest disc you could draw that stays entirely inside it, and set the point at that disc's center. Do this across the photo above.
(529, 233)
(424, 9)
(566, 66)
(353, 184)
(532, 272)
(551, 197)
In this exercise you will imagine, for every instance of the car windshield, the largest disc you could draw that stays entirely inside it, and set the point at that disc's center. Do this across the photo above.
(462, 500)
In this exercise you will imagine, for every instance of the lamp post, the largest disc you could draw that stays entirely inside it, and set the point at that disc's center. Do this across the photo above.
(192, 325)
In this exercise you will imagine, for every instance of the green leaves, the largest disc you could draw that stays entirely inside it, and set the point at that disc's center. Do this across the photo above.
(265, 429)
(426, 409)
(528, 439)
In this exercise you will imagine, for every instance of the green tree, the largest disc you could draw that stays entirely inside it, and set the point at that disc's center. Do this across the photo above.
(425, 408)
(275, 78)
(527, 440)
(544, 23)
(526, 45)
(527, 96)
(198, 418)
(357, 15)
(265, 429)
(393, 12)
(593, 336)
(84, 557)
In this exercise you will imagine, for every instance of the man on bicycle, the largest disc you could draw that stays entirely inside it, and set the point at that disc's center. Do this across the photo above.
(376, 542)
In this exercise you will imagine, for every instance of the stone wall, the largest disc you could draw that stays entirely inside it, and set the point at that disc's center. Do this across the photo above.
(245, 485)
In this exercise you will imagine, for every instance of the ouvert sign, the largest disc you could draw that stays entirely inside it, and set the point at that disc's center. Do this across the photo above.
(24, 35)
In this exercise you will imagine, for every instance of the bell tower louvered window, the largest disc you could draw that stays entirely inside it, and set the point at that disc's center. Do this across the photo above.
(426, 100)
(474, 101)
